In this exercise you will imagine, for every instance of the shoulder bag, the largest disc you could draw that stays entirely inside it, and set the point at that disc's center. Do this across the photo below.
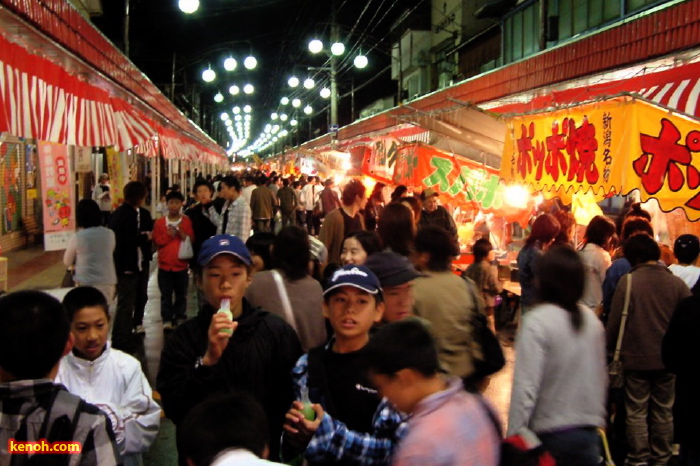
(615, 370)
(284, 297)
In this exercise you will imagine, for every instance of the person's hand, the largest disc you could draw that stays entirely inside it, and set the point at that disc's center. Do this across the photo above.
(218, 337)
(299, 430)
(172, 231)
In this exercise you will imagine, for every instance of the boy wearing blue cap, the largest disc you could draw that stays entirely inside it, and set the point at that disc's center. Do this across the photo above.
(252, 351)
(352, 424)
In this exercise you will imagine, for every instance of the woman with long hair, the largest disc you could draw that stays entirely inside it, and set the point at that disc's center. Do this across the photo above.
(396, 229)
(289, 282)
(560, 380)
(544, 230)
(375, 206)
(596, 260)
(90, 251)
(358, 246)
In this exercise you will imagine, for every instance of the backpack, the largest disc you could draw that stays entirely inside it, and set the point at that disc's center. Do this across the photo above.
(63, 414)
(487, 352)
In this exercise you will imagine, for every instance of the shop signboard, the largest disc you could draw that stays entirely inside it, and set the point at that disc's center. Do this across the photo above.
(608, 147)
(57, 195)
(380, 158)
(116, 166)
(83, 159)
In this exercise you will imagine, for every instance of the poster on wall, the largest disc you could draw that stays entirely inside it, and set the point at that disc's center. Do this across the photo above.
(10, 198)
(117, 175)
(83, 156)
(57, 195)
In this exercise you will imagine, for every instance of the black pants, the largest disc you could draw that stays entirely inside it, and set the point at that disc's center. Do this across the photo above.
(122, 330)
(141, 293)
(313, 223)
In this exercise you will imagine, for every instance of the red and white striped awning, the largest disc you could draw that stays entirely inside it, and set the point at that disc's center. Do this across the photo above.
(677, 88)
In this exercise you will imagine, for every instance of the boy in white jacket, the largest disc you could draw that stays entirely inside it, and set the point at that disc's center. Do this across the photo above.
(108, 378)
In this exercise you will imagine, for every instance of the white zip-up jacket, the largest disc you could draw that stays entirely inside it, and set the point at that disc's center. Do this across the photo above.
(115, 383)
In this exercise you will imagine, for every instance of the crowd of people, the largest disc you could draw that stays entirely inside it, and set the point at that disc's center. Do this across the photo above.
(332, 329)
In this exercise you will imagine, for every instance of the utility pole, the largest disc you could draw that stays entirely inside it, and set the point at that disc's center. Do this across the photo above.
(126, 29)
(334, 68)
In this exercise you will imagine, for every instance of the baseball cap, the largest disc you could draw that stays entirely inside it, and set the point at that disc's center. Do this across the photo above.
(223, 244)
(391, 269)
(357, 276)
(428, 192)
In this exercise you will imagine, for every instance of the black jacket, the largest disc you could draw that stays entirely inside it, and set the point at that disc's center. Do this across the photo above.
(201, 225)
(129, 237)
(679, 353)
(258, 360)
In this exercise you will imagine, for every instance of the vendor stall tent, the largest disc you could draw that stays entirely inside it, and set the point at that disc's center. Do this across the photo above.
(608, 147)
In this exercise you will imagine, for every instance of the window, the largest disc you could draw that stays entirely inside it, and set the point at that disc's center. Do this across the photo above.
(521, 32)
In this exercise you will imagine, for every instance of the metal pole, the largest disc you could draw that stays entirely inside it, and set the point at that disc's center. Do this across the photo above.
(126, 29)
(352, 99)
(172, 81)
(334, 68)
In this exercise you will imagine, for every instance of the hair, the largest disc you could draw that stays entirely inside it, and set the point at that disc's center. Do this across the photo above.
(135, 192)
(352, 190)
(291, 252)
(249, 179)
(260, 244)
(261, 180)
(88, 214)
(636, 225)
(328, 183)
(599, 230)
(232, 182)
(177, 195)
(544, 229)
(34, 330)
(416, 206)
(399, 192)
(221, 423)
(560, 279)
(689, 253)
(285, 182)
(369, 240)
(482, 248)
(567, 222)
(296, 184)
(203, 182)
(82, 297)
(439, 244)
(396, 228)
(406, 344)
(377, 191)
(637, 211)
(641, 248)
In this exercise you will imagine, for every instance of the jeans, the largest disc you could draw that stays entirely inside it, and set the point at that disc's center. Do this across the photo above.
(122, 337)
(649, 397)
(261, 225)
(578, 446)
(301, 218)
(288, 218)
(171, 282)
(313, 223)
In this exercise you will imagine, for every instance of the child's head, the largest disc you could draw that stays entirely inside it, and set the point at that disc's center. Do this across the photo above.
(174, 200)
(686, 249)
(34, 335)
(483, 250)
(396, 274)
(260, 247)
(399, 358)
(221, 423)
(88, 314)
(224, 270)
(435, 248)
(352, 302)
(358, 245)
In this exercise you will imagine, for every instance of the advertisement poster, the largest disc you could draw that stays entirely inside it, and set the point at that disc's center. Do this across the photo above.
(57, 195)
(117, 176)
(10, 198)
(83, 156)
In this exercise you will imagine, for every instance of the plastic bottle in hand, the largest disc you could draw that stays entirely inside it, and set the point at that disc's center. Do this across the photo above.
(226, 309)
(307, 410)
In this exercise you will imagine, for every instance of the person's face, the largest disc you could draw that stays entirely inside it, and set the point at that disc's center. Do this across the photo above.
(90, 328)
(228, 192)
(258, 262)
(174, 206)
(361, 201)
(398, 302)
(203, 194)
(352, 312)
(491, 256)
(224, 277)
(431, 204)
(352, 252)
(394, 388)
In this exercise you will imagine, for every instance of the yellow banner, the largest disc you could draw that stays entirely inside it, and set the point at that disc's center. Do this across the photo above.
(610, 147)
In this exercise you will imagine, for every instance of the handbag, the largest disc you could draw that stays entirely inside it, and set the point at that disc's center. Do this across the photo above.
(185, 252)
(615, 370)
(488, 354)
(284, 297)
(68, 279)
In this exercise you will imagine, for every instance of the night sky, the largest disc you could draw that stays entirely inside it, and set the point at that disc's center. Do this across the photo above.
(279, 31)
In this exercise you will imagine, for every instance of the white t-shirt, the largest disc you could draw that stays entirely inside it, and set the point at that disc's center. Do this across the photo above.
(688, 273)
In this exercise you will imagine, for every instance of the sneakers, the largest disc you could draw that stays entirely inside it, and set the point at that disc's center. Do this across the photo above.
(140, 329)
(168, 326)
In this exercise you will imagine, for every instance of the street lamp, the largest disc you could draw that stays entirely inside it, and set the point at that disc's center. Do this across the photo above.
(234, 90)
(219, 97)
(325, 93)
(250, 62)
(293, 81)
(188, 6)
(208, 75)
(309, 83)
(296, 103)
(230, 64)
(248, 89)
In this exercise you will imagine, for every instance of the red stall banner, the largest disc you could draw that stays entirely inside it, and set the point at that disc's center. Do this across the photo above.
(380, 158)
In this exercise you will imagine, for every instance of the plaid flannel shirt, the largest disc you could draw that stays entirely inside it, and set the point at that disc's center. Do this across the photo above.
(240, 219)
(33, 399)
(333, 441)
